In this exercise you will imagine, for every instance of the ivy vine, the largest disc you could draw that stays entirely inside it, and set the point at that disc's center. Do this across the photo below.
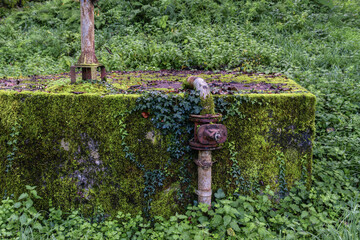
(13, 144)
(232, 108)
(170, 115)
(283, 190)
(304, 171)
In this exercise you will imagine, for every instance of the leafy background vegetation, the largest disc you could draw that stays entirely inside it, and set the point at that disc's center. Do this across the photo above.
(313, 42)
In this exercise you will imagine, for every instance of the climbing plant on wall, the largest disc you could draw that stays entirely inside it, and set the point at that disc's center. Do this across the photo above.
(169, 114)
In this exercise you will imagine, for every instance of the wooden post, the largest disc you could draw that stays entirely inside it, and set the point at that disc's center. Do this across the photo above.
(87, 60)
(87, 33)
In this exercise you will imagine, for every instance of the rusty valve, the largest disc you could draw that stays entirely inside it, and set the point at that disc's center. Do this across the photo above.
(207, 134)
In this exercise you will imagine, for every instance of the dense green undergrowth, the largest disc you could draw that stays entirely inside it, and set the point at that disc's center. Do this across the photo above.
(329, 210)
(313, 42)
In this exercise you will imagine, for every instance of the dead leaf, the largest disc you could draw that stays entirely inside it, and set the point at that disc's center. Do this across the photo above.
(145, 114)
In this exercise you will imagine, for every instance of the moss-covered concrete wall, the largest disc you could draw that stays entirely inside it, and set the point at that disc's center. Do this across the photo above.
(90, 150)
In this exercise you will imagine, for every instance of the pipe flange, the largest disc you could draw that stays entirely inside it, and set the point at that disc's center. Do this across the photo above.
(198, 146)
(206, 118)
(203, 193)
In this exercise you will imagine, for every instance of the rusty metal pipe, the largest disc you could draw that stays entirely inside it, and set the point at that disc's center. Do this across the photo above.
(200, 85)
(204, 161)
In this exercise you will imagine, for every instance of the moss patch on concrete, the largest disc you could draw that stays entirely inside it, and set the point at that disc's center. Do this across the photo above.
(71, 146)
(125, 81)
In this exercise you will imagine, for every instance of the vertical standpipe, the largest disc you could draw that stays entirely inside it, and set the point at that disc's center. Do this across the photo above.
(204, 163)
(207, 137)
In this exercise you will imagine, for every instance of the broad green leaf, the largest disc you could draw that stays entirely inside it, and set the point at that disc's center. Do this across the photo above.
(227, 209)
(29, 203)
(179, 216)
(216, 220)
(314, 220)
(22, 196)
(328, 3)
(248, 206)
(262, 231)
(17, 205)
(295, 207)
(14, 217)
(234, 211)
(227, 220)
(203, 219)
(30, 187)
(304, 214)
(235, 226)
(23, 219)
(38, 226)
(198, 237)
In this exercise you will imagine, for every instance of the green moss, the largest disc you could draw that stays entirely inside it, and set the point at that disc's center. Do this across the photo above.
(123, 80)
(274, 122)
(8, 109)
(72, 148)
(207, 104)
(185, 84)
(164, 203)
(77, 87)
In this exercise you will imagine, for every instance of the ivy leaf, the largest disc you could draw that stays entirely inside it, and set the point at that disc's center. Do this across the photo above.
(219, 194)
